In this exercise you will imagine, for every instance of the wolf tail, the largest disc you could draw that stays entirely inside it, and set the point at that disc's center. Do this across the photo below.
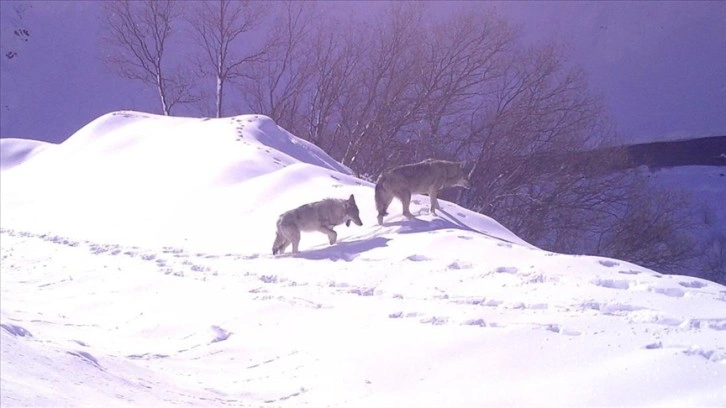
(383, 199)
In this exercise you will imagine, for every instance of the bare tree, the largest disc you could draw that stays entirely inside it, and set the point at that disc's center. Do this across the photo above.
(220, 27)
(655, 229)
(406, 87)
(138, 32)
(715, 258)
(278, 82)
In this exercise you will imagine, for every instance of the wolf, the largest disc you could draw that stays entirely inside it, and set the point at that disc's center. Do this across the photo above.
(318, 216)
(428, 176)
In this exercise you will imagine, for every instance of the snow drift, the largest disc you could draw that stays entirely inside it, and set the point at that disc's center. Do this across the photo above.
(136, 269)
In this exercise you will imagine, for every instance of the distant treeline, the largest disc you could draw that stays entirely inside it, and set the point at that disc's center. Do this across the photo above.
(706, 151)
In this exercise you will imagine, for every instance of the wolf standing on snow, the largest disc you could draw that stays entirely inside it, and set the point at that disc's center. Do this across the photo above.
(428, 176)
(318, 216)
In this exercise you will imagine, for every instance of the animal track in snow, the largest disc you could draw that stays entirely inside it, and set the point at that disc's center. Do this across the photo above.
(612, 283)
(629, 272)
(693, 284)
(713, 324)
(536, 306)
(506, 269)
(610, 308)
(477, 301)
(475, 322)
(220, 334)
(418, 258)
(435, 320)
(481, 323)
(86, 357)
(16, 330)
(288, 396)
(717, 356)
(556, 328)
(363, 291)
(401, 314)
(651, 316)
(609, 263)
(672, 292)
(146, 356)
(460, 265)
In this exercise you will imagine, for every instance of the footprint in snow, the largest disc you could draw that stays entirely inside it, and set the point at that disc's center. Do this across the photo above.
(607, 262)
(460, 265)
(86, 357)
(220, 334)
(435, 320)
(401, 314)
(475, 322)
(699, 324)
(614, 309)
(418, 258)
(612, 283)
(363, 291)
(16, 330)
(717, 356)
(672, 292)
(650, 316)
(556, 328)
(693, 284)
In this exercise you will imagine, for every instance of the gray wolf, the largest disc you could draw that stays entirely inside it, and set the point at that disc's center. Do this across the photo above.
(319, 216)
(426, 177)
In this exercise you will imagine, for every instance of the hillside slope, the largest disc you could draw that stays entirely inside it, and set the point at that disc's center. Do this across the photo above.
(136, 269)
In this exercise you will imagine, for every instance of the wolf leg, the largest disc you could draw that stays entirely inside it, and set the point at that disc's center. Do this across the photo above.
(433, 196)
(332, 235)
(405, 197)
(383, 200)
(292, 234)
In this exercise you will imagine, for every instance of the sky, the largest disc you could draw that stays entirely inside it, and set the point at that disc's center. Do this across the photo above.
(148, 285)
(660, 66)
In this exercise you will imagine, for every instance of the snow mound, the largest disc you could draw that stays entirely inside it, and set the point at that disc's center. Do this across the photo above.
(137, 269)
(16, 151)
(137, 177)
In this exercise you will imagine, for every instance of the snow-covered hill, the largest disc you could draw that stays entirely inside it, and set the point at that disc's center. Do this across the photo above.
(136, 270)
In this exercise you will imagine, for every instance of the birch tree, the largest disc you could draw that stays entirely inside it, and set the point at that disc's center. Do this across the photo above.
(138, 35)
(223, 31)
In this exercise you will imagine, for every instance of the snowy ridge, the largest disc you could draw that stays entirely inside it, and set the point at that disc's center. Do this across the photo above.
(17, 151)
(136, 270)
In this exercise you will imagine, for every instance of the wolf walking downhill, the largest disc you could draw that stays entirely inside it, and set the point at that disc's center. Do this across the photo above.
(319, 216)
(428, 176)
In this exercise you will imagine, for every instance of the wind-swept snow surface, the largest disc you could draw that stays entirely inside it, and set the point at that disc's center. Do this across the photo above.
(137, 270)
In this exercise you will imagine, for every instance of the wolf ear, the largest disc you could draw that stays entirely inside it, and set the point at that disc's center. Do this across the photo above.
(351, 199)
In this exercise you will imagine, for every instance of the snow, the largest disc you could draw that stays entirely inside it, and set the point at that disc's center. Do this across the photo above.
(137, 270)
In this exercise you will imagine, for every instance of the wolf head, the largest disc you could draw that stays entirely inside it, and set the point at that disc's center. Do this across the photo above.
(351, 212)
(458, 175)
